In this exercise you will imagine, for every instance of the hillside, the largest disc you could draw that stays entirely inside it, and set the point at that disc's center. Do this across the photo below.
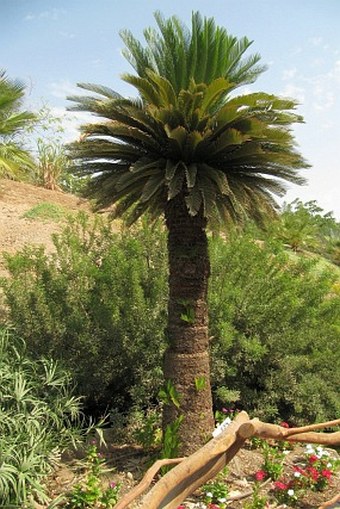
(18, 199)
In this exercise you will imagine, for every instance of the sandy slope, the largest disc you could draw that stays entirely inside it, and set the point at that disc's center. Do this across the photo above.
(16, 198)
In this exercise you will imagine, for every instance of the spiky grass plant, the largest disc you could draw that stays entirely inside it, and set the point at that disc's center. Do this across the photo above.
(39, 417)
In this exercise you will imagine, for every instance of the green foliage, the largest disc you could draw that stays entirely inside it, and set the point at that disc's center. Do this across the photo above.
(97, 304)
(15, 162)
(168, 394)
(89, 493)
(147, 425)
(171, 442)
(46, 212)
(216, 492)
(182, 56)
(200, 383)
(275, 324)
(187, 136)
(39, 418)
(188, 314)
(304, 226)
(52, 164)
(273, 461)
(257, 501)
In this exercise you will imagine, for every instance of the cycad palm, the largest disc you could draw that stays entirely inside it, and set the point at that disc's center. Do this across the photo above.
(189, 150)
(14, 160)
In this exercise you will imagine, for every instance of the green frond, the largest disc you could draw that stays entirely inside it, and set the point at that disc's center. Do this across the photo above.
(185, 136)
(175, 185)
(147, 90)
(190, 175)
(170, 169)
(164, 88)
(217, 90)
(194, 200)
(100, 90)
(152, 186)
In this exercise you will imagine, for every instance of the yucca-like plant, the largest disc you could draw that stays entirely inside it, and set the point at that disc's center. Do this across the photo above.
(15, 162)
(189, 148)
(39, 417)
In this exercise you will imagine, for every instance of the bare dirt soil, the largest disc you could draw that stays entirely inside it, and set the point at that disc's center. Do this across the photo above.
(17, 198)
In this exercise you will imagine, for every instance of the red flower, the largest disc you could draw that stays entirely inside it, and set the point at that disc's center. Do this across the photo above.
(181, 507)
(280, 485)
(314, 474)
(300, 470)
(326, 473)
(260, 475)
(284, 424)
(313, 458)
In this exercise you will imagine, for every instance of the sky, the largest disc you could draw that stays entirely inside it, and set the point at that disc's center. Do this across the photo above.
(53, 44)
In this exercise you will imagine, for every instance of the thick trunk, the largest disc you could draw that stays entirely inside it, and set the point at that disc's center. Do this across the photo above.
(186, 362)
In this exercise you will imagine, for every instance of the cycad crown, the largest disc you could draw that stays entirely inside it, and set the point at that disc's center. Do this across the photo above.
(187, 133)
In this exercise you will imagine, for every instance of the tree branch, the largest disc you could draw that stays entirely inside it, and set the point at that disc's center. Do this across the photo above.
(145, 482)
(195, 470)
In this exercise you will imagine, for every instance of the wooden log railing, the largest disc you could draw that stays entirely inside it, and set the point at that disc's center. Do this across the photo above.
(195, 470)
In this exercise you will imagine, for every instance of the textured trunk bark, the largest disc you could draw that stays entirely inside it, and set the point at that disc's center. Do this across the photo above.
(186, 361)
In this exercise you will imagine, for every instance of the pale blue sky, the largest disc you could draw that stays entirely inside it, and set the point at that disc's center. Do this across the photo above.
(53, 44)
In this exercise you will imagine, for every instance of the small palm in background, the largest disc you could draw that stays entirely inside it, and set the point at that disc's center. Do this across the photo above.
(15, 162)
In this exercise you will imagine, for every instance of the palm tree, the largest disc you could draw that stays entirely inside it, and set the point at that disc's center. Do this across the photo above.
(191, 149)
(14, 160)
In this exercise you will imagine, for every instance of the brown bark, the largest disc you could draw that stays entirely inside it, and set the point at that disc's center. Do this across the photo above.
(186, 361)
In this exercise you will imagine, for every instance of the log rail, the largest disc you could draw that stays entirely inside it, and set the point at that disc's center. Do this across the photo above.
(192, 472)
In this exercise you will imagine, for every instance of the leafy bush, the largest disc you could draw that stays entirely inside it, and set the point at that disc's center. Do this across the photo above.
(275, 323)
(98, 304)
(39, 417)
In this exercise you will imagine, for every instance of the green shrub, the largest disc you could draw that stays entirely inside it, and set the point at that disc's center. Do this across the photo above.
(275, 323)
(39, 418)
(98, 304)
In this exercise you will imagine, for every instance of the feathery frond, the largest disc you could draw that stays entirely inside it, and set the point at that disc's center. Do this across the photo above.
(185, 135)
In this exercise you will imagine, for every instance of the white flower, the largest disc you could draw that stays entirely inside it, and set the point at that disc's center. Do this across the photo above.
(285, 452)
(329, 465)
(290, 493)
(221, 500)
(297, 474)
(209, 494)
(309, 450)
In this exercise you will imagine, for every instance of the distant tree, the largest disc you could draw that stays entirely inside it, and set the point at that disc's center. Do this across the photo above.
(305, 226)
(190, 149)
(15, 162)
